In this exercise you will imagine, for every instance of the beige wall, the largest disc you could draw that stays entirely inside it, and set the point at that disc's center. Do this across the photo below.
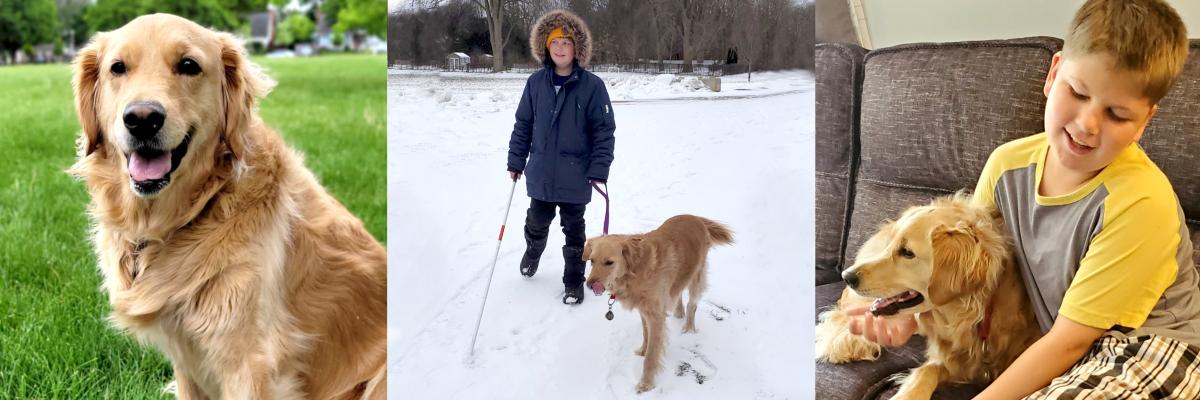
(892, 22)
(834, 23)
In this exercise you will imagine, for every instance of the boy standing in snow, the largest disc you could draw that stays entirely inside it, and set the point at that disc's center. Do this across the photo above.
(565, 128)
(1101, 241)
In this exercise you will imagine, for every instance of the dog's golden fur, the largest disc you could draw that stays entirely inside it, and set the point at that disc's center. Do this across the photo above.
(253, 280)
(960, 261)
(648, 272)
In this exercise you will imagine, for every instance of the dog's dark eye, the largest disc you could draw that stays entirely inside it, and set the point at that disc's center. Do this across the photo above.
(906, 253)
(609, 262)
(118, 68)
(188, 66)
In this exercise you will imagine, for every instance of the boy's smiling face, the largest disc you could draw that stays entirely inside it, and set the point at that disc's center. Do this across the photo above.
(1093, 112)
(562, 51)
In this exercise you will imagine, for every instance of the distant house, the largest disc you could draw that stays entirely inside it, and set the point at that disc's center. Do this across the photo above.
(457, 61)
(323, 36)
(262, 29)
(42, 53)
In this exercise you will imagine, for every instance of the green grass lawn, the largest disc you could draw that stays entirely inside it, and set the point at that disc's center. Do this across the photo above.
(54, 340)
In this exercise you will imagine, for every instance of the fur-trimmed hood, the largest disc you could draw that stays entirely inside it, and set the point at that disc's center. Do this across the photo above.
(571, 24)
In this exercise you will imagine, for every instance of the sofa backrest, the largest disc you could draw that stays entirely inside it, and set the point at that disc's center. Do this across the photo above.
(839, 82)
(930, 116)
(1173, 141)
(923, 118)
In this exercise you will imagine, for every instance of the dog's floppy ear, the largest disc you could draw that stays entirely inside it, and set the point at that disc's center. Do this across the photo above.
(242, 85)
(86, 75)
(587, 250)
(957, 266)
(631, 251)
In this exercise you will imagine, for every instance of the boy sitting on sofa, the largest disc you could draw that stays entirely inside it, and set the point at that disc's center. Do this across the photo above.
(1098, 232)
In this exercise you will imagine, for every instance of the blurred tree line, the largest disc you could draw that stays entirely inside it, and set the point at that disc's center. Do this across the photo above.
(70, 23)
(761, 34)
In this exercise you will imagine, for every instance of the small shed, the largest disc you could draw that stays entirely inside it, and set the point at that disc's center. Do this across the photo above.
(457, 60)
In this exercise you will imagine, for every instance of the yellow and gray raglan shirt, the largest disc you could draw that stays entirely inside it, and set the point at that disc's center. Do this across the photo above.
(1113, 254)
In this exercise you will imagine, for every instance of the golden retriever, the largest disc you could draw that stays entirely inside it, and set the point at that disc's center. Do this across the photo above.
(648, 272)
(948, 262)
(216, 244)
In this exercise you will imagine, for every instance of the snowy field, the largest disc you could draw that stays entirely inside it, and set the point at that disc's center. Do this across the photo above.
(743, 156)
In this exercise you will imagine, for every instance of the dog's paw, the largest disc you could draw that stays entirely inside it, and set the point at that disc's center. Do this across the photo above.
(835, 344)
(908, 396)
(644, 387)
(172, 388)
(689, 328)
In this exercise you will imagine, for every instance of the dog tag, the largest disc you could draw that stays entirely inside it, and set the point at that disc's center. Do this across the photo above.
(608, 315)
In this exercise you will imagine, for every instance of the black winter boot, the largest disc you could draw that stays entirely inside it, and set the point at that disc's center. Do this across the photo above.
(529, 262)
(573, 265)
(573, 294)
(537, 230)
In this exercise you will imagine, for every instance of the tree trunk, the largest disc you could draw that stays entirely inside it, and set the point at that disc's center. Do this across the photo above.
(496, 16)
(494, 12)
(687, 45)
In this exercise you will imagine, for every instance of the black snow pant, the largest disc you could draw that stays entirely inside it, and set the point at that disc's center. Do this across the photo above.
(537, 228)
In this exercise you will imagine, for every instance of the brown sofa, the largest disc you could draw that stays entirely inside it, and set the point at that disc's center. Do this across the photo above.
(898, 126)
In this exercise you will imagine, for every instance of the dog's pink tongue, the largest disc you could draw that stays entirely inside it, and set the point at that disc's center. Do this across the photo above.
(598, 288)
(142, 169)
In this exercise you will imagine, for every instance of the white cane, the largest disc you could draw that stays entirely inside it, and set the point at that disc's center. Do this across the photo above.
(493, 272)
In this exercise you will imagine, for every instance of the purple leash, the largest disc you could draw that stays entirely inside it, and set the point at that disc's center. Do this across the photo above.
(605, 195)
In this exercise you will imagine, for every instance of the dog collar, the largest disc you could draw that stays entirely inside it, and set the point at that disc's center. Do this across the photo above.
(985, 326)
(612, 298)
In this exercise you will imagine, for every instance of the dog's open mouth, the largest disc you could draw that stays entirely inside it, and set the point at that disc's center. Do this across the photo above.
(598, 288)
(150, 169)
(893, 305)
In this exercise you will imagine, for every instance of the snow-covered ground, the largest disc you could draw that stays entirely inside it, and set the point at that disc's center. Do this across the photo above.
(743, 157)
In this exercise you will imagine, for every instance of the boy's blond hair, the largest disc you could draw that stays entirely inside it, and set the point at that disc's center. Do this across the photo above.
(1144, 37)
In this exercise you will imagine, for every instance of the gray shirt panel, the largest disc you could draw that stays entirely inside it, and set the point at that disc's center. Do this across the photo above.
(1051, 240)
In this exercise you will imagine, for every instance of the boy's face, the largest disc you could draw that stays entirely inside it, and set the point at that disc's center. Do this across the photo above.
(1093, 112)
(562, 51)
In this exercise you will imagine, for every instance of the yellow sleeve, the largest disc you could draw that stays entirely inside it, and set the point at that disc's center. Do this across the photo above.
(1128, 265)
(985, 189)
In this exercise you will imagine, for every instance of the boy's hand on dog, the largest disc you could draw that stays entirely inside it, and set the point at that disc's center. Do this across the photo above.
(890, 331)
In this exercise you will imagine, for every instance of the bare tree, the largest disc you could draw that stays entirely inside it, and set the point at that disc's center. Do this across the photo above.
(493, 11)
(691, 18)
(749, 36)
(664, 28)
(767, 34)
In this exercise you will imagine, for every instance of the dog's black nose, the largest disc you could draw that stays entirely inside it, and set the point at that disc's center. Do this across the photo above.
(144, 118)
(851, 279)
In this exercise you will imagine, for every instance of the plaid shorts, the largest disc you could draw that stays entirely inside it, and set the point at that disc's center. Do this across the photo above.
(1142, 367)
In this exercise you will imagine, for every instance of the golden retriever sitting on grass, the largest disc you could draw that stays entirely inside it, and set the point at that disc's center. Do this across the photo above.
(949, 261)
(217, 245)
(648, 272)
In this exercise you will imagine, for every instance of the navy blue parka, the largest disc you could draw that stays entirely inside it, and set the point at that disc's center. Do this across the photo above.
(567, 136)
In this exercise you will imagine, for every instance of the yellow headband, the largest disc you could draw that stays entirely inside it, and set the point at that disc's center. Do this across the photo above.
(555, 34)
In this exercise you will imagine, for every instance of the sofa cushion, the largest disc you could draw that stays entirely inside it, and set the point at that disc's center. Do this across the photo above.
(839, 77)
(931, 115)
(945, 391)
